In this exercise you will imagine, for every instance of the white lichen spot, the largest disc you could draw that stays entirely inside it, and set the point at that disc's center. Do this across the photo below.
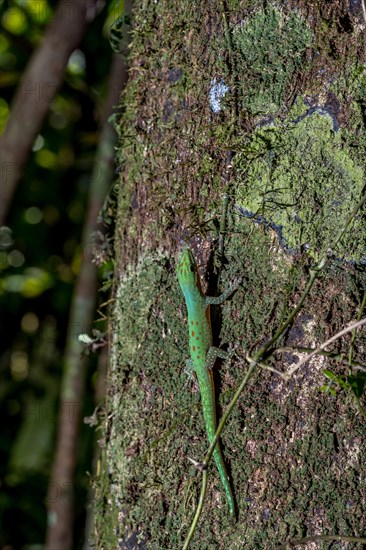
(218, 90)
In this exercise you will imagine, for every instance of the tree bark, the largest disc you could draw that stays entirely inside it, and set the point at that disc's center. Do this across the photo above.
(243, 137)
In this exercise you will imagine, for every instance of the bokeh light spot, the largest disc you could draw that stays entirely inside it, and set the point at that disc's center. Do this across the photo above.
(16, 258)
(29, 323)
(6, 239)
(19, 365)
(33, 215)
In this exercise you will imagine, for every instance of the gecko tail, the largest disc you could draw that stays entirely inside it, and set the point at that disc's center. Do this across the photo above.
(220, 464)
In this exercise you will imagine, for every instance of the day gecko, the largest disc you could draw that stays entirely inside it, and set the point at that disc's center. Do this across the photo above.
(203, 354)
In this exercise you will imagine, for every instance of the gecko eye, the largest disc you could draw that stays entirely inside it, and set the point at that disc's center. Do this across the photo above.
(191, 268)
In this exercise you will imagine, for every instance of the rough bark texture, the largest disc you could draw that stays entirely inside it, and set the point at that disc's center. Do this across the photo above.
(286, 142)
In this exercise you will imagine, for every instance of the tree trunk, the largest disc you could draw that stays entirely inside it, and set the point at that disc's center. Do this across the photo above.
(243, 136)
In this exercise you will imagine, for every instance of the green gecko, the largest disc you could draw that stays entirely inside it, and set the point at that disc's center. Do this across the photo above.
(203, 354)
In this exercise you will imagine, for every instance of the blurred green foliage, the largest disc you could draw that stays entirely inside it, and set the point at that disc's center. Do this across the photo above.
(39, 261)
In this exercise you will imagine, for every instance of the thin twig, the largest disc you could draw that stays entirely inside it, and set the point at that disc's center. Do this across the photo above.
(330, 354)
(325, 344)
(271, 369)
(198, 511)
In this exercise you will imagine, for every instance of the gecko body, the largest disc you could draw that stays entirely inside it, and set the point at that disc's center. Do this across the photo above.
(203, 354)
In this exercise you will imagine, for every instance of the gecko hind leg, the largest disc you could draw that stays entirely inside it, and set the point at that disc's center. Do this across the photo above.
(213, 353)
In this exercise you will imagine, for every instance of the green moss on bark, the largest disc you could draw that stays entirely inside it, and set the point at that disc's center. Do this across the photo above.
(299, 176)
(270, 48)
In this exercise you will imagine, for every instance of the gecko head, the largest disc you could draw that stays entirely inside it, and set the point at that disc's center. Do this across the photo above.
(187, 269)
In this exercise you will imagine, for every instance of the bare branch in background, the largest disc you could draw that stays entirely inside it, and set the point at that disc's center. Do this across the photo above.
(60, 510)
(37, 89)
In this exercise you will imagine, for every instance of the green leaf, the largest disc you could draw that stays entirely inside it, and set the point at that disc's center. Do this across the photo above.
(338, 379)
(357, 383)
(328, 389)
